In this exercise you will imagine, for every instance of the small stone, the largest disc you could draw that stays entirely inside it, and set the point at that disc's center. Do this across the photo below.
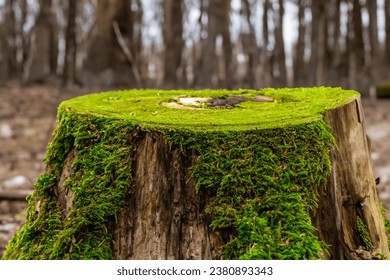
(14, 182)
(6, 131)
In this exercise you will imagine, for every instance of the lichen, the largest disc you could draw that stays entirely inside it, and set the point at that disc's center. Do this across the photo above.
(263, 162)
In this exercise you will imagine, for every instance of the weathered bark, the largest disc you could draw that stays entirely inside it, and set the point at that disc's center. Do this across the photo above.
(169, 220)
(351, 191)
(179, 194)
(356, 47)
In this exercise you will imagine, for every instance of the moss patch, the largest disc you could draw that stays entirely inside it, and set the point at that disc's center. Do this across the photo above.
(263, 161)
(145, 107)
(363, 233)
(100, 181)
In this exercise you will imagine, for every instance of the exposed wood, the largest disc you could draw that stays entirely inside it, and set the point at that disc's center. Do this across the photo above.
(351, 191)
(168, 219)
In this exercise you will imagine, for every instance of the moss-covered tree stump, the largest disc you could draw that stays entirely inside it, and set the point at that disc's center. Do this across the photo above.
(150, 174)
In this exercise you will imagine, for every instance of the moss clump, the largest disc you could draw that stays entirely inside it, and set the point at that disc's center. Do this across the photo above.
(100, 181)
(363, 233)
(264, 182)
(383, 90)
(146, 107)
(263, 162)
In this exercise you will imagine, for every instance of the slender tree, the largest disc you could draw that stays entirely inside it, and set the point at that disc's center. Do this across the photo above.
(113, 62)
(251, 45)
(387, 32)
(280, 54)
(374, 43)
(173, 41)
(69, 74)
(218, 24)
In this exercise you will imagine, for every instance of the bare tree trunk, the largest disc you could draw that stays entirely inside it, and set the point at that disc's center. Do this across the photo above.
(318, 43)
(265, 60)
(173, 41)
(387, 31)
(218, 12)
(227, 44)
(356, 49)
(355, 213)
(374, 43)
(113, 63)
(69, 75)
(280, 54)
(3, 55)
(113, 190)
(13, 68)
(334, 66)
(43, 46)
(251, 46)
(299, 52)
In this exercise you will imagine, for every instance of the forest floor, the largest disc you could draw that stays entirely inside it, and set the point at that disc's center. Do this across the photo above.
(27, 120)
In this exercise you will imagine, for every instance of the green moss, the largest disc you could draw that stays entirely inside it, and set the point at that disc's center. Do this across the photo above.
(100, 182)
(265, 183)
(263, 162)
(145, 107)
(363, 233)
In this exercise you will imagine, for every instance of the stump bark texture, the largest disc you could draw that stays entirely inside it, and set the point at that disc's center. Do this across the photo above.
(270, 174)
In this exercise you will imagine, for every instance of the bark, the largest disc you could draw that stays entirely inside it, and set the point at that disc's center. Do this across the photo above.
(265, 32)
(170, 222)
(351, 191)
(335, 66)
(173, 41)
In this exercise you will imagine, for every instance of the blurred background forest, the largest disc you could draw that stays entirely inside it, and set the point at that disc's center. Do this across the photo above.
(51, 50)
(196, 43)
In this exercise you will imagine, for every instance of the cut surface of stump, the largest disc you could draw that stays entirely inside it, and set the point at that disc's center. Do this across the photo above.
(210, 174)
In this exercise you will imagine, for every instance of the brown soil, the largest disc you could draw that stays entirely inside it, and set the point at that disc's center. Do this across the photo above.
(27, 120)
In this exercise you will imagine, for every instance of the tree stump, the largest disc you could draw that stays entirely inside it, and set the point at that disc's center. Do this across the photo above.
(211, 174)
